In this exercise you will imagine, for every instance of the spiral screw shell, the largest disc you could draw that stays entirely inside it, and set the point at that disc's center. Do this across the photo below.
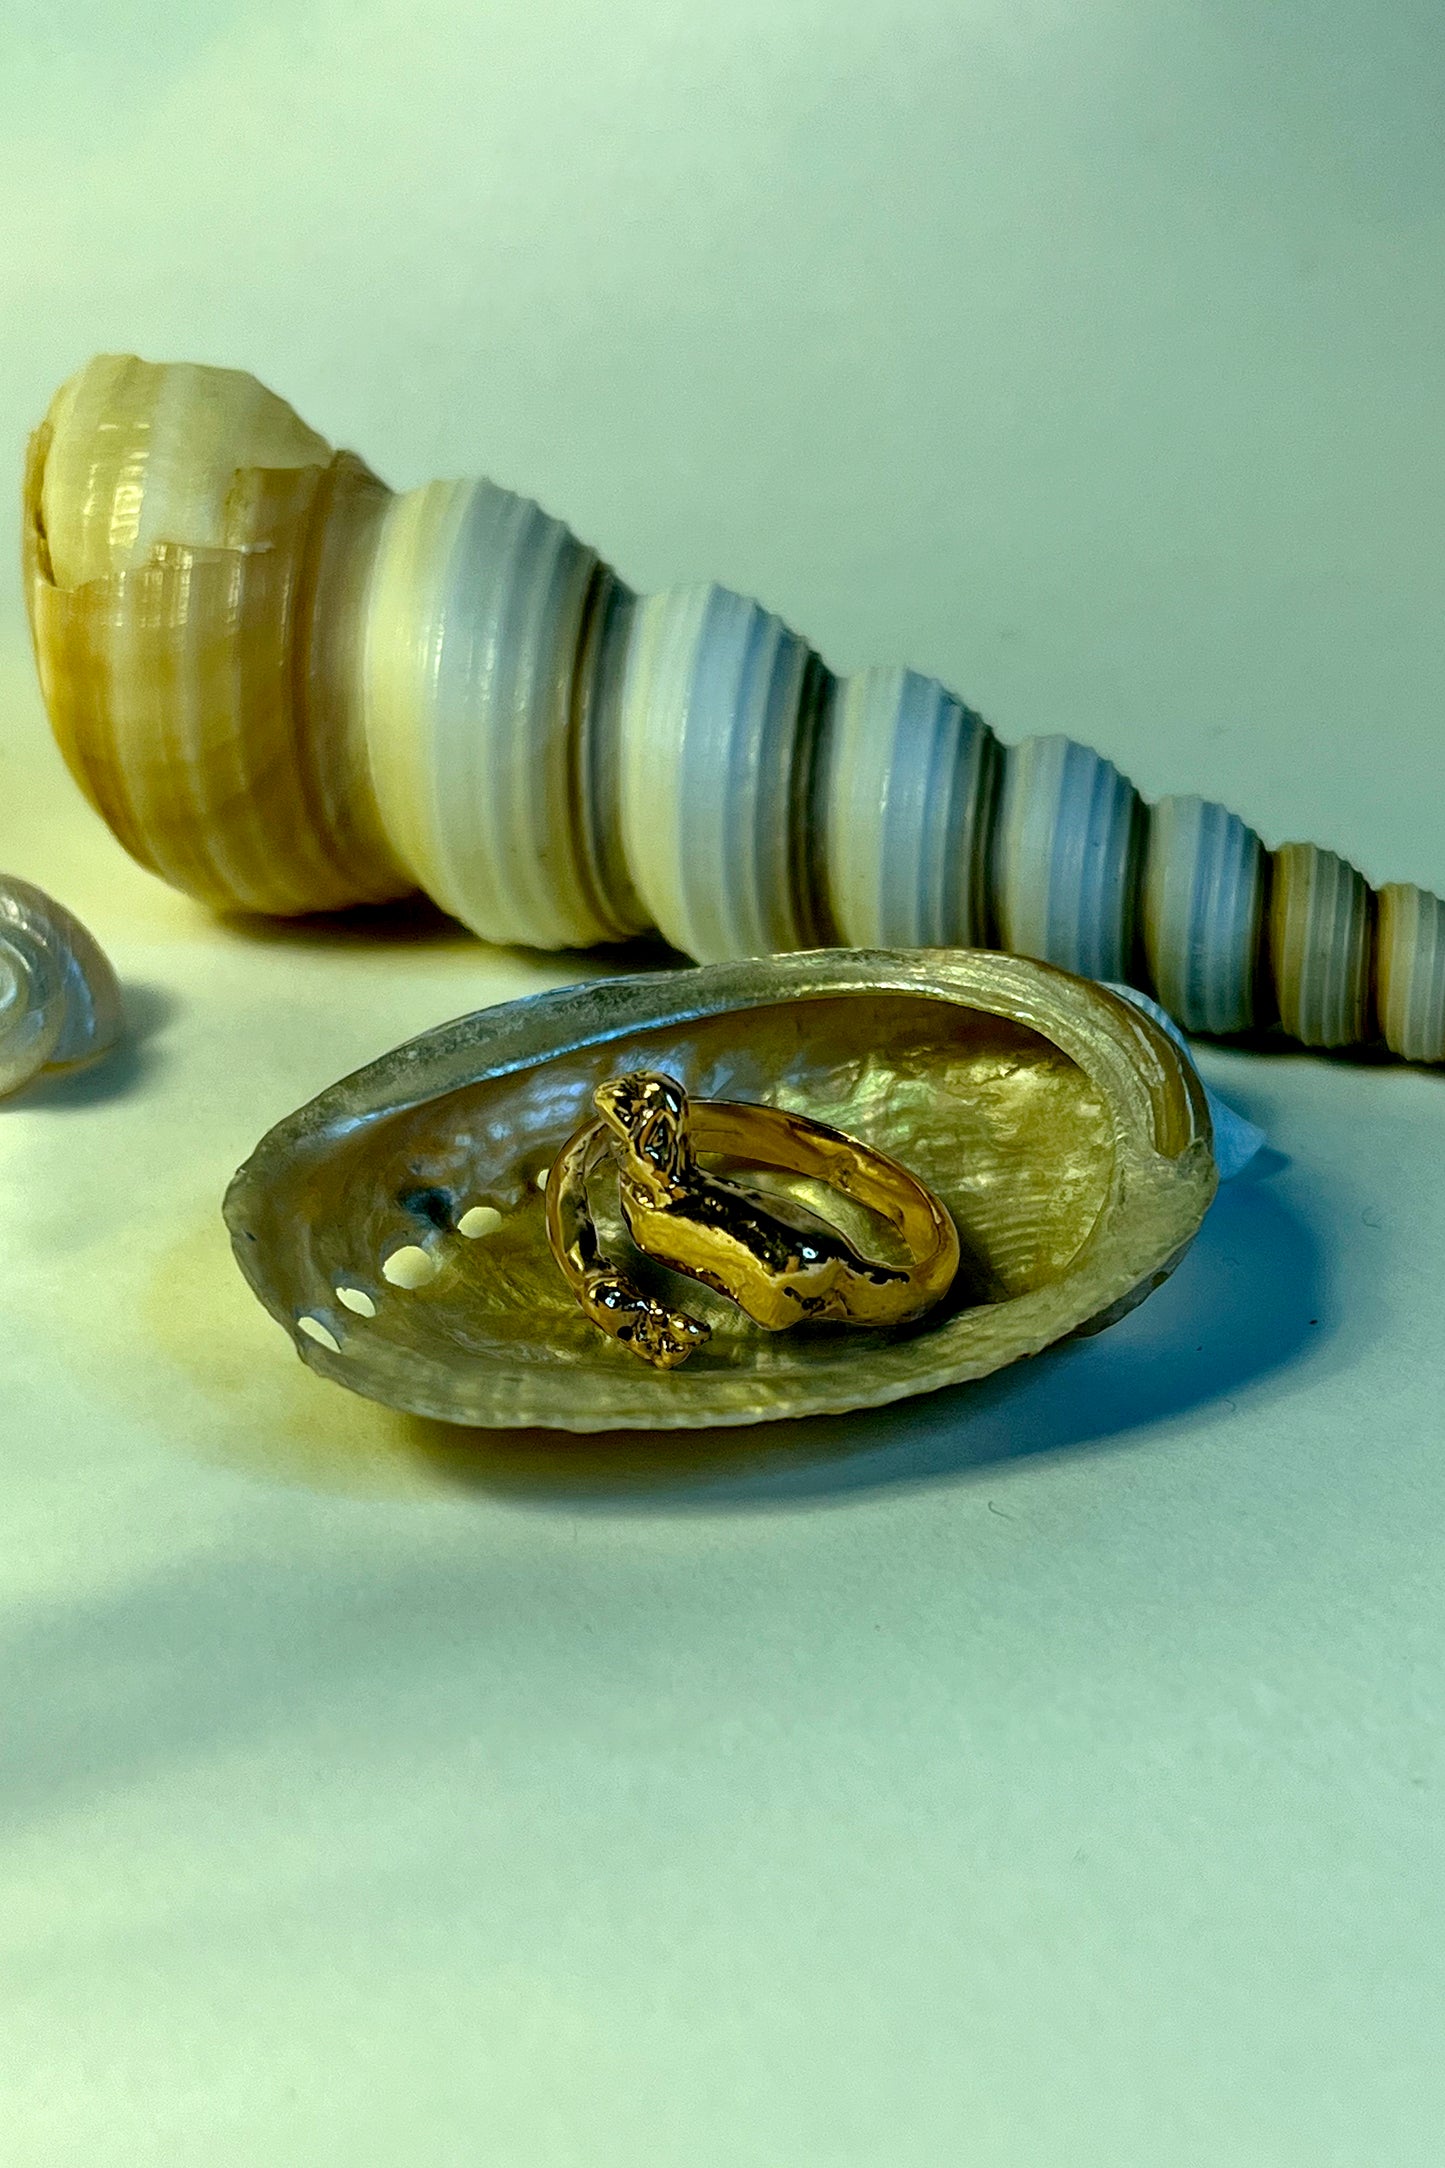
(288, 689)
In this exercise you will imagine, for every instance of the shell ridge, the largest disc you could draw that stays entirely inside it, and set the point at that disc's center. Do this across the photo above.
(437, 1110)
(188, 540)
(60, 1004)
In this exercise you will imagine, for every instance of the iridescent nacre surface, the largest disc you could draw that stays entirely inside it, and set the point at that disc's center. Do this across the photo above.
(1064, 1131)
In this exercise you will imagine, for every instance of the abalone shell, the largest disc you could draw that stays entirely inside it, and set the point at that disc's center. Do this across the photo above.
(394, 1226)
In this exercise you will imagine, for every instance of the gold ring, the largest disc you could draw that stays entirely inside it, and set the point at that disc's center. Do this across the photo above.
(780, 1264)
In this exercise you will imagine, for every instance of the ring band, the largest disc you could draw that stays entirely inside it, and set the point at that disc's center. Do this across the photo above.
(780, 1264)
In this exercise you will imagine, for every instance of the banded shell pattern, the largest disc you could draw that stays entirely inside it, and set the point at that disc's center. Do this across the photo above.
(60, 1005)
(288, 689)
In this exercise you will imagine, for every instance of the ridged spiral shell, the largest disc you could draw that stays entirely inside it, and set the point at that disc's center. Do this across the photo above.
(288, 689)
(60, 1005)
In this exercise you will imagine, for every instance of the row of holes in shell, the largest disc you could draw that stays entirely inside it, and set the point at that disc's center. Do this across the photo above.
(405, 1268)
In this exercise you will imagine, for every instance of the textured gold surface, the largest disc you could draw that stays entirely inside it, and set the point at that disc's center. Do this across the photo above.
(782, 1264)
(1065, 1134)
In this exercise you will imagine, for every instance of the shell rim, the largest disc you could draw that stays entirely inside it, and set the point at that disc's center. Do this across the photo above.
(1162, 1182)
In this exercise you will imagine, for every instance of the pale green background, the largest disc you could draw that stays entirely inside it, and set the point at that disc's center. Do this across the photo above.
(1043, 1777)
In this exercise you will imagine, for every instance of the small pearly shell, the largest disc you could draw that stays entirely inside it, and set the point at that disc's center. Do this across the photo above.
(60, 1005)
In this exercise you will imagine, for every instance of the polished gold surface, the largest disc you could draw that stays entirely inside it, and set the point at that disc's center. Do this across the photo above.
(1066, 1136)
(780, 1263)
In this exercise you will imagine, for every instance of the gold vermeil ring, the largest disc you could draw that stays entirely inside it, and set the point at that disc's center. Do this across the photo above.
(780, 1264)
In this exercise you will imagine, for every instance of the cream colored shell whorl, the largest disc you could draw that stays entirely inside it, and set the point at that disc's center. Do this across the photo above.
(288, 689)
(59, 1002)
(191, 553)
